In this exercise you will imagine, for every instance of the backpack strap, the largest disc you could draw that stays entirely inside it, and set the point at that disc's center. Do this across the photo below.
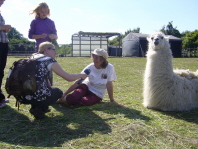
(35, 58)
(18, 101)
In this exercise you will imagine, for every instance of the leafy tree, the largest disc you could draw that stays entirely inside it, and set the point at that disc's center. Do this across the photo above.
(65, 50)
(170, 30)
(14, 34)
(55, 43)
(18, 43)
(21, 45)
(190, 39)
(135, 30)
(185, 39)
(115, 41)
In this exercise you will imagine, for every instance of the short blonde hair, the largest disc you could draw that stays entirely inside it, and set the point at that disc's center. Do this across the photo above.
(43, 46)
(38, 8)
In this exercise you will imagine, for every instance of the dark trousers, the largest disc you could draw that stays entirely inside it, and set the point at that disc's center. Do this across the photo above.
(3, 60)
(56, 93)
(82, 96)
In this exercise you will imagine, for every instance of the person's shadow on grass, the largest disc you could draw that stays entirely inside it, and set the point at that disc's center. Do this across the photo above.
(62, 125)
(90, 121)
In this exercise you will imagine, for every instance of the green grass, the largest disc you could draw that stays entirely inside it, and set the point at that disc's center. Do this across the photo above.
(102, 125)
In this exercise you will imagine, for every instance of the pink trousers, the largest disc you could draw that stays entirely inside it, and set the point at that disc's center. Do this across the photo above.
(82, 97)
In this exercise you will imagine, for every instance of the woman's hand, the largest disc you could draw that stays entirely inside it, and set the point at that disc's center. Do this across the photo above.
(83, 76)
(52, 36)
(43, 35)
(5, 28)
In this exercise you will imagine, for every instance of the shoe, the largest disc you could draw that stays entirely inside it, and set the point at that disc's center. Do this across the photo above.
(46, 110)
(5, 101)
(2, 105)
(62, 100)
(38, 114)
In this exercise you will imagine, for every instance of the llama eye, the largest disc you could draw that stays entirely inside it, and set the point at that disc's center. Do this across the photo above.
(151, 38)
(162, 37)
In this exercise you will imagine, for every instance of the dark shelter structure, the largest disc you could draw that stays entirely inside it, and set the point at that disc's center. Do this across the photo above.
(136, 44)
(114, 50)
(83, 43)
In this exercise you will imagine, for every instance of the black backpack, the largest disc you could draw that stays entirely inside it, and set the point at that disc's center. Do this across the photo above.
(21, 80)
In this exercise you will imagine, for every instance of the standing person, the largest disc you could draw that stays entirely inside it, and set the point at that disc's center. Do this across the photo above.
(3, 53)
(42, 28)
(93, 88)
(46, 95)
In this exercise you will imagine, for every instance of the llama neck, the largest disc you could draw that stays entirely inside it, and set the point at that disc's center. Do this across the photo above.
(160, 63)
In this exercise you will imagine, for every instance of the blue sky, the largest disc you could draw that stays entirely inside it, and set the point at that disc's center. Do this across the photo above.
(71, 16)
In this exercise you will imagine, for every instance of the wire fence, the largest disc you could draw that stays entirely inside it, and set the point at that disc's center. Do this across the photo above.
(65, 50)
(190, 52)
(25, 50)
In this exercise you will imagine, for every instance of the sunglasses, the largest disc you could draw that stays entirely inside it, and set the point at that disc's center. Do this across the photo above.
(51, 49)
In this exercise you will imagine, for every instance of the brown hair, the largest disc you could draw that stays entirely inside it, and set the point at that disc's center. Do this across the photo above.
(105, 62)
(38, 8)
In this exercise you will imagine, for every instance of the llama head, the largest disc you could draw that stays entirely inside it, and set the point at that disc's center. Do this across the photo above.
(158, 41)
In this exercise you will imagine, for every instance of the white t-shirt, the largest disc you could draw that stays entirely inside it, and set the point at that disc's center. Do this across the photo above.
(98, 78)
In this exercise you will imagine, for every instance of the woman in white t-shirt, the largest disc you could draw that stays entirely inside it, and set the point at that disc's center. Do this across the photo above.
(99, 81)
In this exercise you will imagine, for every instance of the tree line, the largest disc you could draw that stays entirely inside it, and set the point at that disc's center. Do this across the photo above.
(189, 39)
(20, 43)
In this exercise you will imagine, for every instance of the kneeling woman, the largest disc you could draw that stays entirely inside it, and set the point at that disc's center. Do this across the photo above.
(46, 94)
(93, 88)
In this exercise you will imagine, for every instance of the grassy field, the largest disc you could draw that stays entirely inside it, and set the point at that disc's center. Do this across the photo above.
(102, 126)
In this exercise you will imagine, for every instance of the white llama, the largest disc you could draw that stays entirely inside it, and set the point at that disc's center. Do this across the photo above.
(165, 89)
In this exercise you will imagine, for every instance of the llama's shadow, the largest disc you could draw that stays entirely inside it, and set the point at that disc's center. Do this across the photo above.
(18, 129)
(189, 116)
(120, 109)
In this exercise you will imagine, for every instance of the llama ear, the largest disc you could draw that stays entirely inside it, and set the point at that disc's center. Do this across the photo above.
(148, 38)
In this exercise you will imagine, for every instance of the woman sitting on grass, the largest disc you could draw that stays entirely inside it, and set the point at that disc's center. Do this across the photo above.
(91, 90)
(46, 95)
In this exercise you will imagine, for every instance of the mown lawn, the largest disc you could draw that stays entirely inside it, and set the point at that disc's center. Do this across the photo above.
(102, 126)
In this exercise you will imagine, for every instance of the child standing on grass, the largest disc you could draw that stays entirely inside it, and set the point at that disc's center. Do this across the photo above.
(3, 53)
(42, 28)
